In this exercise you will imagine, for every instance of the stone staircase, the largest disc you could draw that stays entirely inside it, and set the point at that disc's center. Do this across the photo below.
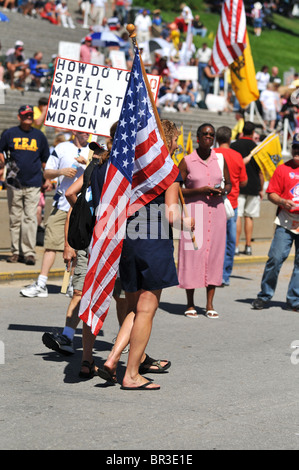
(38, 34)
(190, 121)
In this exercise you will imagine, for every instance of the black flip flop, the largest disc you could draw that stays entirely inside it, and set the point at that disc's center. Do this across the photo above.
(106, 375)
(145, 366)
(141, 387)
(91, 371)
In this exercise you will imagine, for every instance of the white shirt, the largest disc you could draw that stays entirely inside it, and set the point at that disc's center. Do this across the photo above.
(262, 80)
(204, 55)
(269, 99)
(63, 156)
(99, 3)
(143, 23)
(187, 13)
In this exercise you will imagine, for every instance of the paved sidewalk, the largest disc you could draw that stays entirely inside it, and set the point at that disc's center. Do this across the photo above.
(233, 382)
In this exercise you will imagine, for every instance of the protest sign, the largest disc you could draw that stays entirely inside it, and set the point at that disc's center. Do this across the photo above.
(88, 97)
(118, 59)
(69, 50)
(186, 72)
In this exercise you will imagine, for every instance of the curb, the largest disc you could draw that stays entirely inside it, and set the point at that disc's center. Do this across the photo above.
(256, 259)
(17, 275)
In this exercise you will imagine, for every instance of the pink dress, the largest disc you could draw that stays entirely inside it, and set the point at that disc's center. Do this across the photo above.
(203, 267)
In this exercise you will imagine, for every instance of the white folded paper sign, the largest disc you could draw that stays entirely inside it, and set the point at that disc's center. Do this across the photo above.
(88, 97)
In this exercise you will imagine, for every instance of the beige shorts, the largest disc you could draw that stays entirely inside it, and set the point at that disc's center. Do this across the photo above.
(54, 234)
(249, 206)
(80, 269)
(80, 273)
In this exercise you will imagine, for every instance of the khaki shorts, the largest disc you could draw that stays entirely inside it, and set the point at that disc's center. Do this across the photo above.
(80, 273)
(80, 269)
(249, 206)
(54, 234)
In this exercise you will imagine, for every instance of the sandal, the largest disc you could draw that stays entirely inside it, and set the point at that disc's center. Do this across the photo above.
(212, 314)
(191, 313)
(145, 366)
(91, 370)
(107, 375)
(142, 387)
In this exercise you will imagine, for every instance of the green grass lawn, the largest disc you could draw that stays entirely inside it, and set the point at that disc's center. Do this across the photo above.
(274, 47)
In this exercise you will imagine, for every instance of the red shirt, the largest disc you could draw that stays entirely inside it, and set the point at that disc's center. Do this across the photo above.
(285, 183)
(237, 172)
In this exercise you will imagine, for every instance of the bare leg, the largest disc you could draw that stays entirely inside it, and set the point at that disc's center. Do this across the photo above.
(88, 339)
(48, 261)
(210, 297)
(190, 304)
(72, 318)
(146, 308)
(248, 230)
(190, 298)
(121, 309)
(123, 337)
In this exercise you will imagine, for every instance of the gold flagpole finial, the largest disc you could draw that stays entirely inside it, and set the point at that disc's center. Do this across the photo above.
(132, 33)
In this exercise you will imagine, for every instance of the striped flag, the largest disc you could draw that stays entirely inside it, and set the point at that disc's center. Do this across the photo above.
(139, 169)
(230, 39)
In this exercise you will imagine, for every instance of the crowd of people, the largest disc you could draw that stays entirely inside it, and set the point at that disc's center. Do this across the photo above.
(167, 59)
(18, 72)
(219, 168)
(216, 169)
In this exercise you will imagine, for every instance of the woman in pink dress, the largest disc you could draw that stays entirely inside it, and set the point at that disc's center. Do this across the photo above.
(203, 195)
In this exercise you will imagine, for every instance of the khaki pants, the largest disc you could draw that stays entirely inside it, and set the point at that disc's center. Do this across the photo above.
(22, 208)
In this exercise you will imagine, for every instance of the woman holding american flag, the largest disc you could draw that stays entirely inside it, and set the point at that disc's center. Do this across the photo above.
(146, 267)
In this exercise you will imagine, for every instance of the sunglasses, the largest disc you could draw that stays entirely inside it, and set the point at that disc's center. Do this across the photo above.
(208, 133)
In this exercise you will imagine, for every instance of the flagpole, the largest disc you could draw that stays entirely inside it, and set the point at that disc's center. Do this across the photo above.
(132, 34)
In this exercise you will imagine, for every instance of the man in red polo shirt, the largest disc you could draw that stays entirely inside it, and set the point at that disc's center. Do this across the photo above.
(283, 190)
(238, 177)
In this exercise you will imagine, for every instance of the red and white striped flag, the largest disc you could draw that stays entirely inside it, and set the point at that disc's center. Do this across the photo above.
(139, 169)
(230, 40)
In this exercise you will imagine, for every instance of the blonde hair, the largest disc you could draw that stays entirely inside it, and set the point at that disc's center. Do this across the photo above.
(170, 130)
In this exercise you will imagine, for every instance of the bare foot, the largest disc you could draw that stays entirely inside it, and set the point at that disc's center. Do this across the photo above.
(139, 382)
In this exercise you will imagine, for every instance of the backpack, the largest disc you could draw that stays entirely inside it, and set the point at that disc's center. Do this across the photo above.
(82, 219)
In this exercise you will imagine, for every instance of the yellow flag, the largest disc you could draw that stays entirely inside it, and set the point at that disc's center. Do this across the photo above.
(180, 152)
(269, 156)
(243, 79)
(189, 144)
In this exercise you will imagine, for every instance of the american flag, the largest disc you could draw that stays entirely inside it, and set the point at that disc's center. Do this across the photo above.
(230, 40)
(139, 169)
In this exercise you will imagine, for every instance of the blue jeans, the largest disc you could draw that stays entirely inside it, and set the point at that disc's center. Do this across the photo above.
(280, 248)
(231, 230)
(201, 67)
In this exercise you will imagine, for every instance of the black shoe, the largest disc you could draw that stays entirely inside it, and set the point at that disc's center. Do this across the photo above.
(259, 304)
(248, 250)
(30, 260)
(58, 342)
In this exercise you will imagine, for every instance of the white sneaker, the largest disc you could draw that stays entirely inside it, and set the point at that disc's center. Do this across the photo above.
(34, 290)
(70, 291)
